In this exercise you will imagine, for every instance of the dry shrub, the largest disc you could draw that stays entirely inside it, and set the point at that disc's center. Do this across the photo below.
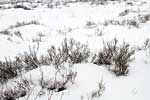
(119, 56)
(70, 51)
(122, 59)
(9, 69)
(99, 91)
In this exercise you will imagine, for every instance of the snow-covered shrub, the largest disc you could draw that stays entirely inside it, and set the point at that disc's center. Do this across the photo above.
(99, 91)
(77, 52)
(144, 18)
(5, 32)
(70, 51)
(22, 6)
(59, 85)
(45, 60)
(118, 56)
(145, 46)
(20, 24)
(97, 2)
(94, 1)
(99, 32)
(9, 69)
(56, 57)
(18, 34)
(60, 81)
(38, 38)
(124, 22)
(125, 12)
(30, 59)
(121, 59)
(105, 56)
(90, 24)
(55, 3)
(147, 43)
(13, 93)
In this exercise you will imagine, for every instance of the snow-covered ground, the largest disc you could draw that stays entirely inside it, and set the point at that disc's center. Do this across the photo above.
(88, 24)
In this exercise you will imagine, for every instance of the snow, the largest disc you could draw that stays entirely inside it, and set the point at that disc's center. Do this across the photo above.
(71, 22)
(135, 86)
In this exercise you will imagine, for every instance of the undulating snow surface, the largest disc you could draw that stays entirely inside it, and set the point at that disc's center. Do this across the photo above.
(72, 21)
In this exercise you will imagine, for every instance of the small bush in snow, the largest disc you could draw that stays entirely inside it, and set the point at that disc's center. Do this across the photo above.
(58, 86)
(5, 32)
(125, 12)
(9, 69)
(124, 22)
(119, 56)
(90, 24)
(30, 59)
(144, 18)
(99, 32)
(145, 46)
(102, 2)
(99, 91)
(22, 6)
(147, 43)
(122, 58)
(77, 52)
(18, 34)
(70, 51)
(9, 93)
(105, 56)
(55, 84)
(20, 24)
(38, 38)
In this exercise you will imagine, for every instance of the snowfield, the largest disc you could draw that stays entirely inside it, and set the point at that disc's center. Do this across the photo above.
(42, 27)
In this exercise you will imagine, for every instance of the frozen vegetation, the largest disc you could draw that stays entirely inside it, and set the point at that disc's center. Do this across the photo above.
(74, 49)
